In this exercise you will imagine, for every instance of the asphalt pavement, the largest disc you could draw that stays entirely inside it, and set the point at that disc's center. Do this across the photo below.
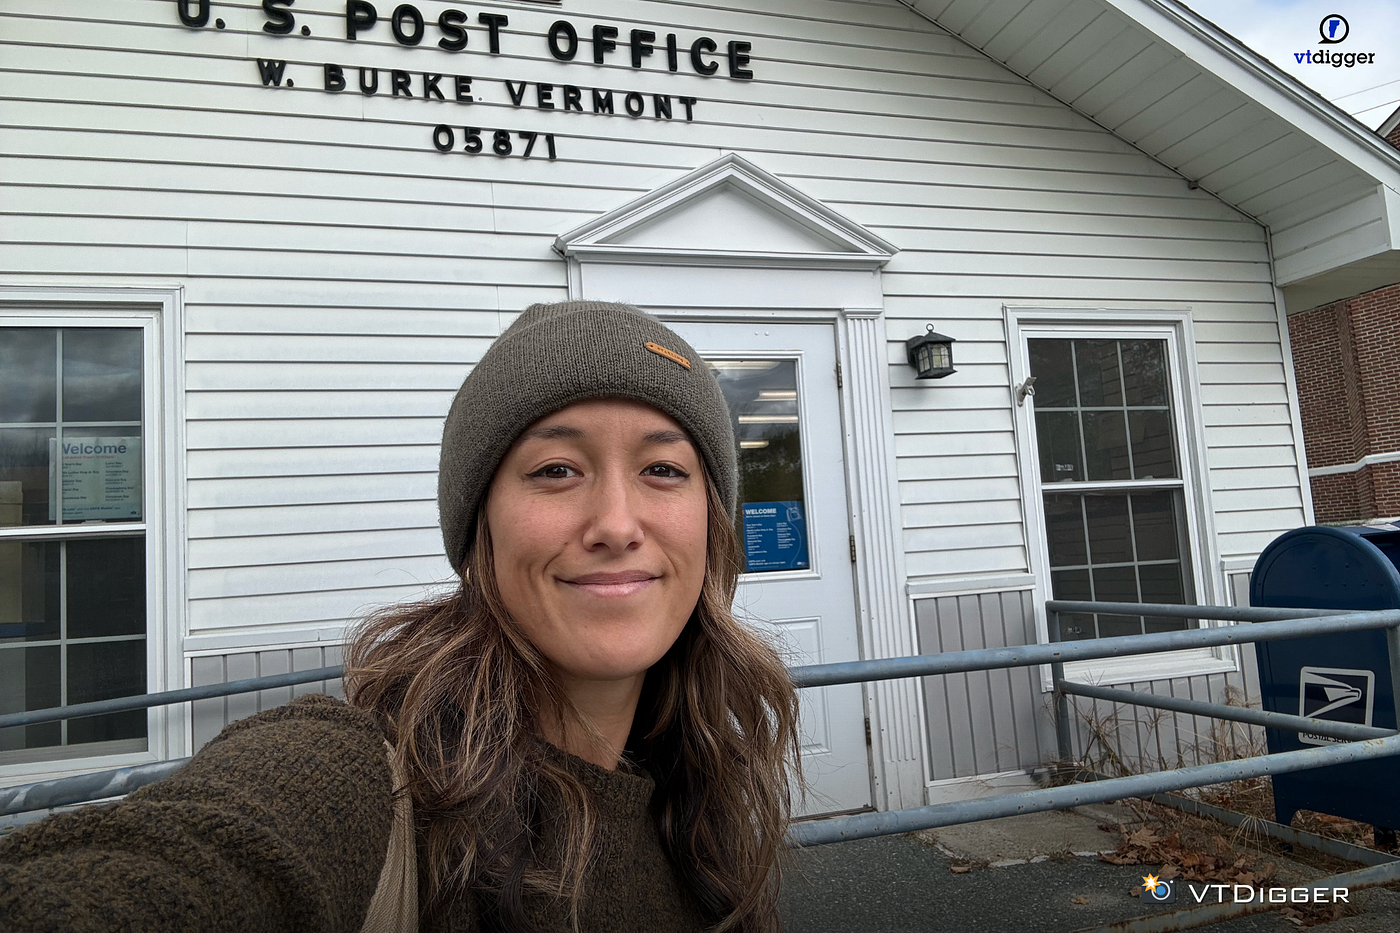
(1010, 881)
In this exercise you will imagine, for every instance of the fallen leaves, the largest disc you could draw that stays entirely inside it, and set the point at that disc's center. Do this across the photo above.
(1146, 846)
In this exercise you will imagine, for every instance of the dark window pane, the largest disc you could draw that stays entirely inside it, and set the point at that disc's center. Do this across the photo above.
(1154, 455)
(1161, 583)
(1106, 445)
(102, 474)
(1145, 371)
(1110, 536)
(29, 601)
(28, 374)
(1054, 373)
(1070, 584)
(1168, 625)
(106, 587)
(1057, 439)
(763, 408)
(100, 671)
(1064, 527)
(1113, 626)
(1076, 625)
(24, 476)
(102, 374)
(1154, 525)
(29, 679)
(1098, 373)
(1115, 585)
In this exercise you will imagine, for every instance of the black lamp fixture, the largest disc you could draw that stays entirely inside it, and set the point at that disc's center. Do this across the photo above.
(930, 354)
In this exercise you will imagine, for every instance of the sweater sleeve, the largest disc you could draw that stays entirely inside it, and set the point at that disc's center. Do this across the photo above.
(279, 824)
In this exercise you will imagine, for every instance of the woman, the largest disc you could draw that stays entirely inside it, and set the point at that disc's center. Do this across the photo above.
(588, 738)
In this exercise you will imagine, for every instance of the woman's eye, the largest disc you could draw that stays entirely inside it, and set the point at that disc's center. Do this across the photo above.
(665, 470)
(555, 471)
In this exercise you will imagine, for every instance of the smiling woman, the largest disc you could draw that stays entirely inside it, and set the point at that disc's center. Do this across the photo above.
(580, 735)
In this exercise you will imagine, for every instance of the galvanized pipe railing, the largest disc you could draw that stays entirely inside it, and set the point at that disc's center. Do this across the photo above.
(1348, 731)
(883, 823)
(1272, 624)
(1298, 624)
(166, 698)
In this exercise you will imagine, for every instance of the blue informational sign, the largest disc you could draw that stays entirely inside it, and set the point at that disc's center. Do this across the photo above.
(775, 536)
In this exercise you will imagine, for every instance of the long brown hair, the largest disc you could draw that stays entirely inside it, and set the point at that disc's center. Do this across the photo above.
(460, 692)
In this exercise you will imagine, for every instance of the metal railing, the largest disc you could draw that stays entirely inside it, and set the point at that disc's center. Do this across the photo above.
(1362, 743)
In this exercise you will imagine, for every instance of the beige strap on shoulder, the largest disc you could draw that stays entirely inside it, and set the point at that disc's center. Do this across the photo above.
(394, 908)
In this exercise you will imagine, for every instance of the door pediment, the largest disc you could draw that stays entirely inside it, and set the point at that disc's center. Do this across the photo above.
(727, 213)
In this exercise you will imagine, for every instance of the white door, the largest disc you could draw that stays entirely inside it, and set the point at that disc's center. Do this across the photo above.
(794, 529)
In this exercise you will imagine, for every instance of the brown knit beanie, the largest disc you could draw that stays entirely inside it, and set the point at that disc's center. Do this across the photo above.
(558, 354)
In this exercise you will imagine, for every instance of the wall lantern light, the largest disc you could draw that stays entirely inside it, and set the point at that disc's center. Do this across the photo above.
(930, 354)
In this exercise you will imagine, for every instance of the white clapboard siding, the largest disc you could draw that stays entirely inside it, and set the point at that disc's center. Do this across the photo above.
(341, 276)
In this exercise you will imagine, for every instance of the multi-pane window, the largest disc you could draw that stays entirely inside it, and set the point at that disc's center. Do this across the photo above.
(1110, 472)
(72, 536)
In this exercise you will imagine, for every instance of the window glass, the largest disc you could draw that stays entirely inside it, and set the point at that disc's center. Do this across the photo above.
(1106, 445)
(25, 485)
(1100, 381)
(72, 605)
(1103, 416)
(89, 645)
(70, 425)
(1060, 449)
(106, 587)
(29, 591)
(102, 374)
(762, 396)
(28, 375)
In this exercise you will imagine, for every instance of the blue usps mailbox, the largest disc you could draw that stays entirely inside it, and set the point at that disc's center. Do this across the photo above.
(1344, 677)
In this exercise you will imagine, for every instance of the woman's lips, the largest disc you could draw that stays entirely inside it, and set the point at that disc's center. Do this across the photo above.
(609, 585)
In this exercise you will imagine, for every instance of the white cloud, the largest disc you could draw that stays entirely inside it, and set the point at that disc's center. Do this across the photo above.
(1281, 29)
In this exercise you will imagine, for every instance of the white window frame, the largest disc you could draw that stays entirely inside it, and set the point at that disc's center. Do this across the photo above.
(1173, 326)
(159, 313)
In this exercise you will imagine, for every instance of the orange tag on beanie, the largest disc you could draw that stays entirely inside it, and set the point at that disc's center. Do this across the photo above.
(672, 355)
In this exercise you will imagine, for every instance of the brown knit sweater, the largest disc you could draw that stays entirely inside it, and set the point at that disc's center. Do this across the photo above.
(281, 824)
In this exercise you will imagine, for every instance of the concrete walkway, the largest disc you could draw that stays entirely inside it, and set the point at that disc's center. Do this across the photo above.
(1026, 874)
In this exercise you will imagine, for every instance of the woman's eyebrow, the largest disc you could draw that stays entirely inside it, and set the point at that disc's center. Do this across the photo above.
(555, 432)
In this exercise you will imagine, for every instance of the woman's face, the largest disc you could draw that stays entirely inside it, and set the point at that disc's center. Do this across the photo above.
(598, 521)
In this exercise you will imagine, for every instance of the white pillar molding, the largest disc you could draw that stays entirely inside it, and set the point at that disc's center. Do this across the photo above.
(896, 707)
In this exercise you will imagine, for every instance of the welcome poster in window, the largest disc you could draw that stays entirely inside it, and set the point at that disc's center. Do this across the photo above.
(101, 478)
(775, 536)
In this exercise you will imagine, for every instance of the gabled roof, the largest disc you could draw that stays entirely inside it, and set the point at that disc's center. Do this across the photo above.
(1190, 96)
(1391, 122)
(729, 213)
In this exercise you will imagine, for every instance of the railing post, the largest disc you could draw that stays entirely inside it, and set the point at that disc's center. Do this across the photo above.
(1057, 674)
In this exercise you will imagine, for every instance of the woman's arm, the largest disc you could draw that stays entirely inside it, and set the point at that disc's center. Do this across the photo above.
(279, 824)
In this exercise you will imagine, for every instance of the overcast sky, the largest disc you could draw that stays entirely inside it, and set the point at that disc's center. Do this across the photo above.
(1280, 29)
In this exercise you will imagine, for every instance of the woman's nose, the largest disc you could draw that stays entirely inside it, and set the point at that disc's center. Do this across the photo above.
(614, 520)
